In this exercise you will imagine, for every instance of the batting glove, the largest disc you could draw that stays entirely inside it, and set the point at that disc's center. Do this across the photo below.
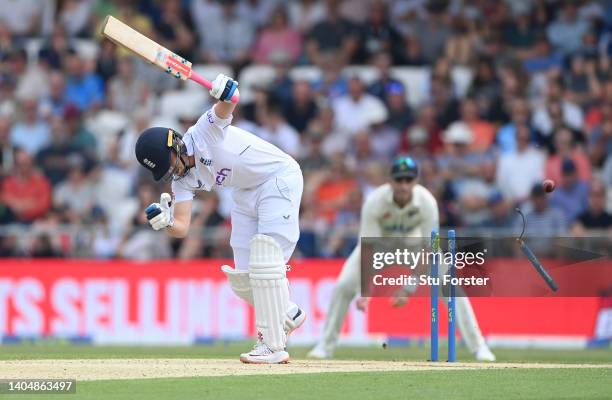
(223, 88)
(160, 214)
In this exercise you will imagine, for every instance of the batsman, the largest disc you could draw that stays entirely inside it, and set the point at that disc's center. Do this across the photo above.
(401, 208)
(267, 190)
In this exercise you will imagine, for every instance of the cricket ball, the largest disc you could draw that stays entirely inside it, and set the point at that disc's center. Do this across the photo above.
(548, 185)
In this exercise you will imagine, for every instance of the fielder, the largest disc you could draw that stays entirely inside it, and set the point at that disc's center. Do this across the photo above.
(400, 208)
(267, 190)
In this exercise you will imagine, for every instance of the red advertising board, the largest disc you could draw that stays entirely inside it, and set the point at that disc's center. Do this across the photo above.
(175, 302)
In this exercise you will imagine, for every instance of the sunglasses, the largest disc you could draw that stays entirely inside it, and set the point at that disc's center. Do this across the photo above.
(405, 179)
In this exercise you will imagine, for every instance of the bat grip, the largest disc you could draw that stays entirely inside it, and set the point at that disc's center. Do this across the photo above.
(208, 85)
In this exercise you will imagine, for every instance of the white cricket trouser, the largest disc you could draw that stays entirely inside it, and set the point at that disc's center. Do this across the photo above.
(348, 286)
(271, 209)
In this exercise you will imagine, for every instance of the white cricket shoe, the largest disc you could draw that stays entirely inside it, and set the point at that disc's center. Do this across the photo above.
(484, 354)
(261, 354)
(319, 352)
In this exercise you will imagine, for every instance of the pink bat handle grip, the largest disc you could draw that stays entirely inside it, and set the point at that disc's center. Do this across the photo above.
(208, 85)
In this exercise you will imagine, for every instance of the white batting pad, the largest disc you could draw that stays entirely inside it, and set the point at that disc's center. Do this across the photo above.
(239, 282)
(270, 289)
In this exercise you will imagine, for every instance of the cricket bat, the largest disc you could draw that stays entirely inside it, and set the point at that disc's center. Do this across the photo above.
(153, 52)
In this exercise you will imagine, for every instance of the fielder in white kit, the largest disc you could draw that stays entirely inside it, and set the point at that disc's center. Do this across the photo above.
(267, 190)
(402, 208)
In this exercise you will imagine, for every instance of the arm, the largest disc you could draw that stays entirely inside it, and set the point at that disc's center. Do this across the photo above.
(182, 219)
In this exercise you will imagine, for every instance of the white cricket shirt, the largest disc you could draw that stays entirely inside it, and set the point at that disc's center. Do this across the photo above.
(227, 156)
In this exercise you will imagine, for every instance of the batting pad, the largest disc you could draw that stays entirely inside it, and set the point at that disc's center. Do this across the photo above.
(270, 289)
(239, 282)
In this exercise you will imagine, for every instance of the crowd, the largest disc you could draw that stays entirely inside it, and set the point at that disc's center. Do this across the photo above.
(538, 105)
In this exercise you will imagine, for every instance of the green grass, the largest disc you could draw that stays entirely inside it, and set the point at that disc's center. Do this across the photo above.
(48, 350)
(573, 383)
(455, 385)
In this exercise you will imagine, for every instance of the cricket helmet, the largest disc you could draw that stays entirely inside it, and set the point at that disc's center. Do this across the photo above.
(153, 150)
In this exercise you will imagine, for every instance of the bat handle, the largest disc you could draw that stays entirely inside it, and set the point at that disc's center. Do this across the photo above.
(208, 85)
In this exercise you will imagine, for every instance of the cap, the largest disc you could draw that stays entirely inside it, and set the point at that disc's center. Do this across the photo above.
(404, 167)
(153, 150)
(458, 132)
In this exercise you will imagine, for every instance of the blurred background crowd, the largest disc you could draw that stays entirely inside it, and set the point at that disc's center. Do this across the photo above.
(490, 96)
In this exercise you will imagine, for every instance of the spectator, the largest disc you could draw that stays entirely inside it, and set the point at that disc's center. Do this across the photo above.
(462, 44)
(228, 38)
(83, 88)
(302, 109)
(55, 48)
(313, 158)
(277, 131)
(425, 131)
(379, 36)
(26, 191)
(278, 39)
(79, 136)
(411, 54)
(600, 140)
(581, 81)
(379, 88)
(43, 247)
(31, 79)
(566, 148)
(358, 110)
(54, 105)
(258, 11)
(174, 28)
(459, 162)
(595, 217)
(506, 137)
(572, 195)
(53, 159)
(333, 35)
(400, 114)
(483, 132)
(519, 33)
(335, 187)
(433, 32)
(127, 91)
(541, 57)
(74, 16)
(444, 103)
(556, 111)
(105, 239)
(566, 32)
(30, 133)
(75, 196)
(304, 14)
(8, 43)
(519, 170)
(23, 17)
(542, 220)
(332, 85)
(500, 213)
(106, 65)
(6, 148)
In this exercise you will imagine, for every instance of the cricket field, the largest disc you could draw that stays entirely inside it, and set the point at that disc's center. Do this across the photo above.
(214, 372)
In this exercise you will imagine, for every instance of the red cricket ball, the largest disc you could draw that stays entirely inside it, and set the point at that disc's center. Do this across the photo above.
(548, 185)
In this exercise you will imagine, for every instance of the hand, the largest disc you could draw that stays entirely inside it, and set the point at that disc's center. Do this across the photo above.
(362, 303)
(160, 214)
(223, 88)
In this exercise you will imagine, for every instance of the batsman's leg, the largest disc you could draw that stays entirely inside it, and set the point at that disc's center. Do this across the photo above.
(344, 292)
(267, 273)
